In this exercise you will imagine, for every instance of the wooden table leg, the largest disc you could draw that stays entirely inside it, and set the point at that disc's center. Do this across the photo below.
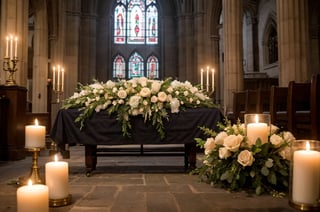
(90, 158)
(190, 156)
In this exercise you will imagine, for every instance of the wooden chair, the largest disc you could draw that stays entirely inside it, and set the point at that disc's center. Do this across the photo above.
(263, 104)
(299, 119)
(251, 101)
(315, 105)
(278, 106)
(239, 104)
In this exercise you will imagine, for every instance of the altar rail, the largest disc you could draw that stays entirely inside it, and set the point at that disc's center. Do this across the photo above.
(102, 129)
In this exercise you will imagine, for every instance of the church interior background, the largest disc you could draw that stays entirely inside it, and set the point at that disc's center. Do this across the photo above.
(246, 41)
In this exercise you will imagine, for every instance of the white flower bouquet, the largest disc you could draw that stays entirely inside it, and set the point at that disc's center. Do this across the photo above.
(151, 99)
(231, 162)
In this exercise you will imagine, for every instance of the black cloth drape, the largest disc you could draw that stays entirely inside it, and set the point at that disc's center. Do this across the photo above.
(102, 129)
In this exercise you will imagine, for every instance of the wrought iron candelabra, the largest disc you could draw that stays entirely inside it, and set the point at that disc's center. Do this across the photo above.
(10, 65)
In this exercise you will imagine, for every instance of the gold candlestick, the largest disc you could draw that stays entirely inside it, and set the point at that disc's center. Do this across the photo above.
(10, 65)
(34, 173)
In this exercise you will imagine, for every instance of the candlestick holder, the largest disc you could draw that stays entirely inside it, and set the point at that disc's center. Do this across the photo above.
(10, 65)
(58, 95)
(60, 202)
(304, 181)
(35, 173)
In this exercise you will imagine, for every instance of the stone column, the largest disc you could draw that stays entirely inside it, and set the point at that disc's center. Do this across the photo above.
(233, 51)
(293, 35)
(40, 59)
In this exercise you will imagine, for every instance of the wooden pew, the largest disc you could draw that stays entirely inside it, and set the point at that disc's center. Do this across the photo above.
(299, 120)
(278, 107)
(263, 104)
(251, 101)
(239, 106)
(315, 106)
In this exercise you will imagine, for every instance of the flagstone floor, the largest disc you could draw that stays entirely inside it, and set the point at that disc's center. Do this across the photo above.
(135, 184)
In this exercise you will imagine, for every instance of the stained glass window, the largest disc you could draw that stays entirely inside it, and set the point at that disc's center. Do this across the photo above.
(152, 67)
(136, 22)
(119, 24)
(136, 66)
(119, 67)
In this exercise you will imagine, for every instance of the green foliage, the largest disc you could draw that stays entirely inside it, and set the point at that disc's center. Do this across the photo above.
(259, 168)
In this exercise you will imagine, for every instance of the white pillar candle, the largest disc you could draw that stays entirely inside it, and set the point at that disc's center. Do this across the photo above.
(257, 130)
(306, 176)
(33, 198)
(201, 79)
(35, 135)
(57, 179)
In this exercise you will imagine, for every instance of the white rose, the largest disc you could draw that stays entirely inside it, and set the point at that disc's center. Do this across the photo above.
(185, 93)
(220, 137)
(170, 89)
(245, 158)
(162, 96)
(274, 129)
(155, 87)
(122, 94)
(143, 81)
(209, 146)
(110, 84)
(154, 99)
(134, 101)
(224, 153)
(145, 92)
(232, 142)
(285, 153)
(276, 140)
(174, 105)
(287, 136)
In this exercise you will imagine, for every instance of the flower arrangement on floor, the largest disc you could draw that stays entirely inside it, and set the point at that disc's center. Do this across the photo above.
(152, 99)
(231, 162)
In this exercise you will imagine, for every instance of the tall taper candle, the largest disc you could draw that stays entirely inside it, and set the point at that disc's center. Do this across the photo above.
(207, 78)
(54, 78)
(16, 47)
(7, 47)
(212, 80)
(201, 80)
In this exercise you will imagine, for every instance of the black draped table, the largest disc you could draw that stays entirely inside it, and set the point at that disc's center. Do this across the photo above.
(103, 129)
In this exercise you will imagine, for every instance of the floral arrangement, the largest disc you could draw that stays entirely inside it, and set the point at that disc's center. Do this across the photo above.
(152, 99)
(231, 162)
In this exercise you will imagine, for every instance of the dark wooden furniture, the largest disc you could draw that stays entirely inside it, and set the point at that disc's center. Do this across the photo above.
(278, 107)
(4, 108)
(102, 129)
(315, 106)
(251, 101)
(239, 106)
(298, 108)
(15, 136)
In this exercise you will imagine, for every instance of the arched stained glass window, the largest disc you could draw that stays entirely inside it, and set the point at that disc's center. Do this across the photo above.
(152, 67)
(136, 39)
(119, 67)
(152, 25)
(119, 24)
(272, 46)
(136, 22)
(136, 66)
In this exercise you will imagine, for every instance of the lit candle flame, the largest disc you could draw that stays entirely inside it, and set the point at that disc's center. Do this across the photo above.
(55, 158)
(29, 182)
(36, 122)
(308, 146)
(256, 118)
